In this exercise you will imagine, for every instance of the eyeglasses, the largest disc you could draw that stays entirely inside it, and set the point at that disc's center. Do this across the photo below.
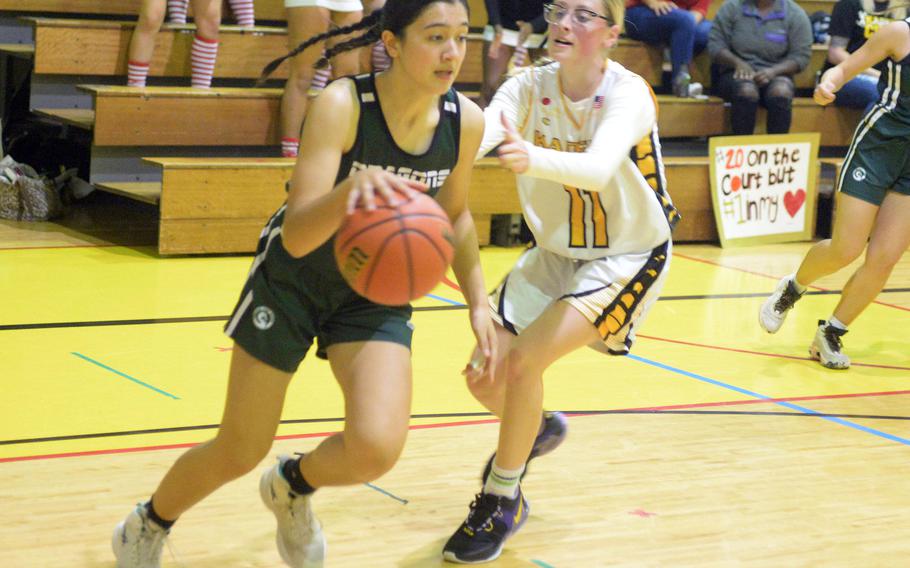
(554, 13)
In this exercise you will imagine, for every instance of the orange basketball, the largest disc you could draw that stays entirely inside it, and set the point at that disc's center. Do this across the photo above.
(393, 255)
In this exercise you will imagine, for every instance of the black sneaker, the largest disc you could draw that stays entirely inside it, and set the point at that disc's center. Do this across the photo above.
(555, 429)
(491, 520)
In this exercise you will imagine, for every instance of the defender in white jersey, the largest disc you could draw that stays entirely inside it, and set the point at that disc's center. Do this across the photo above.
(581, 134)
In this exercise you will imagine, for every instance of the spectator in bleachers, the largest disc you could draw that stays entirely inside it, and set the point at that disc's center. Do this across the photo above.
(242, 9)
(207, 16)
(682, 25)
(756, 48)
(852, 23)
(513, 28)
(308, 18)
(377, 58)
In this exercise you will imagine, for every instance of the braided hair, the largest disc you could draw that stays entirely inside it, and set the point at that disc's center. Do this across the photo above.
(395, 16)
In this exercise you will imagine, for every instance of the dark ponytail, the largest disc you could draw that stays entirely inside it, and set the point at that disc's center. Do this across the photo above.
(371, 23)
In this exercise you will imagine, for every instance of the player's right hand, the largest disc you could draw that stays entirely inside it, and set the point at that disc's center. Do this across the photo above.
(824, 93)
(367, 184)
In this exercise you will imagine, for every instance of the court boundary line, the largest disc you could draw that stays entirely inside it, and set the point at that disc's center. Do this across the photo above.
(747, 271)
(762, 353)
(765, 398)
(669, 409)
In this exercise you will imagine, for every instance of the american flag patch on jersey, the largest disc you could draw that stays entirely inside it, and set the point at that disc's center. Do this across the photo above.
(598, 102)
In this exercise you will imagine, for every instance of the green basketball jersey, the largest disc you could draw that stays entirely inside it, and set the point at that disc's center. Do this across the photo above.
(894, 97)
(374, 148)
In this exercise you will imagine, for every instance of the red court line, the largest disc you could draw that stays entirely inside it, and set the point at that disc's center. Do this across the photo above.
(450, 284)
(711, 262)
(764, 354)
(469, 423)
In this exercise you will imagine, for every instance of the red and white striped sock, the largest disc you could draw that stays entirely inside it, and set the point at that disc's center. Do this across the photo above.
(320, 80)
(243, 12)
(176, 11)
(136, 73)
(380, 57)
(289, 146)
(202, 60)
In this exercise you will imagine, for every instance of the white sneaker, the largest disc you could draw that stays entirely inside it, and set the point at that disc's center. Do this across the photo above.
(774, 311)
(299, 537)
(137, 541)
(826, 347)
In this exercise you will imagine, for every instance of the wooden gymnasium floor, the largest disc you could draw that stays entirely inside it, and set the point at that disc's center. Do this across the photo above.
(714, 444)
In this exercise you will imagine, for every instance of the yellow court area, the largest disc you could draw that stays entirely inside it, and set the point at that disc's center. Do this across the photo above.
(713, 444)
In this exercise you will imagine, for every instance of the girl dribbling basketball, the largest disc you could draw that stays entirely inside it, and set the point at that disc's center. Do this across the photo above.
(359, 132)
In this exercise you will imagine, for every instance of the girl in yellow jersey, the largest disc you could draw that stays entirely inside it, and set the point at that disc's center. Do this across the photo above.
(581, 135)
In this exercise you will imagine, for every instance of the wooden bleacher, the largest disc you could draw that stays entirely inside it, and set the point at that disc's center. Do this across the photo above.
(99, 47)
(219, 205)
(158, 116)
(268, 10)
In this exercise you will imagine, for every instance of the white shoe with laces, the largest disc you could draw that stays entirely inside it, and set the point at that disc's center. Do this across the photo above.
(299, 537)
(774, 310)
(826, 347)
(138, 541)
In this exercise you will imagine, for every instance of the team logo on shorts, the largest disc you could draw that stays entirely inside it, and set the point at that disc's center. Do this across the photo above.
(859, 174)
(263, 318)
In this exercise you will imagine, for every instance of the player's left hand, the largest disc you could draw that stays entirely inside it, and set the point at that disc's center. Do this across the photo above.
(513, 152)
(483, 360)
(824, 92)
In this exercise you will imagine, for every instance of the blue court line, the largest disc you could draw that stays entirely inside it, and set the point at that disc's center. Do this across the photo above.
(124, 375)
(384, 492)
(542, 564)
(785, 404)
(446, 300)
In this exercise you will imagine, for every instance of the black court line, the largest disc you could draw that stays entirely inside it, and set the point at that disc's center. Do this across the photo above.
(454, 415)
(194, 319)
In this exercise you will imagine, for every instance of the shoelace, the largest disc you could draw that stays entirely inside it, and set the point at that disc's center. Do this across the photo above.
(787, 299)
(833, 337)
(483, 508)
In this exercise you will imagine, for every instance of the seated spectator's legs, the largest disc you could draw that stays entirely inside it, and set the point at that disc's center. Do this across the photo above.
(859, 92)
(777, 97)
(702, 29)
(347, 63)
(494, 68)
(142, 43)
(204, 52)
(676, 29)
(303, 23)
(743, 98)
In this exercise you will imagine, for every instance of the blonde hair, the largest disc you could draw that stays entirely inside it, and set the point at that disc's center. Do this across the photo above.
(616, 11)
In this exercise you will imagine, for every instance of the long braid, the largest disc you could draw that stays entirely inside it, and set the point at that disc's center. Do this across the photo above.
(370, 21)
(368, 38)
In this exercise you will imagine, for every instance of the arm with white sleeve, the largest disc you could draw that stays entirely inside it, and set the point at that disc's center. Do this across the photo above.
(629, 115)
(510, 100)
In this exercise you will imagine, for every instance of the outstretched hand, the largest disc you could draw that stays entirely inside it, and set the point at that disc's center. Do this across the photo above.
(513, 152)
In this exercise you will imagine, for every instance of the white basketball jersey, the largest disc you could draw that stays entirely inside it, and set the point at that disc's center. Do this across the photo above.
(596, 185)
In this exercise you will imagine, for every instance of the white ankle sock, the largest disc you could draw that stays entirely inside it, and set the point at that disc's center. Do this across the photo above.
(503, 482)
(833, 321)
(799, 287)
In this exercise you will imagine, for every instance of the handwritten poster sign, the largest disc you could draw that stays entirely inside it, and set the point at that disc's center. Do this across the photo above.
(763, 187)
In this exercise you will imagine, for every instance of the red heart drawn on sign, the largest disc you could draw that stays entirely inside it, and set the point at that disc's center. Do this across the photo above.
(793, 201)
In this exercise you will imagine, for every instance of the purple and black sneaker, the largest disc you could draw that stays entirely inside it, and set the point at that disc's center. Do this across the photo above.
(555, 429)
(491, 520)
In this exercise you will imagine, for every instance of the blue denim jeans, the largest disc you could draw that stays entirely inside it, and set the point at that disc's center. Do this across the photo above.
(676, 29)
(859, 92)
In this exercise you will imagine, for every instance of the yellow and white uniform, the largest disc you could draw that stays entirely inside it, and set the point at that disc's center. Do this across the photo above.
(594, 198)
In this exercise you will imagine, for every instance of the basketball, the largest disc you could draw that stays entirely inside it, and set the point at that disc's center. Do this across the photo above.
(393, 255)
